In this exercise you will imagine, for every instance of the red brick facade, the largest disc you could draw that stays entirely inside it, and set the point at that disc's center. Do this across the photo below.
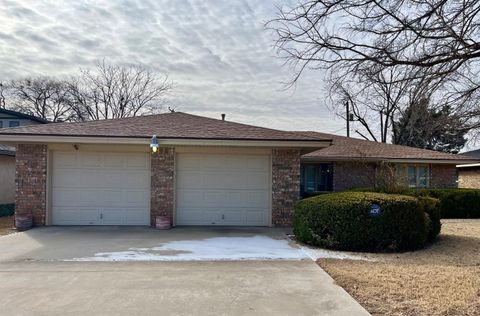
(162, 183)
(285, 185)
(443, 176)
(348, 175)
(31, 182)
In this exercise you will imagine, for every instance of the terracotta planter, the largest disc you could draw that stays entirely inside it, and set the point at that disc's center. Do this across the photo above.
(163, 222)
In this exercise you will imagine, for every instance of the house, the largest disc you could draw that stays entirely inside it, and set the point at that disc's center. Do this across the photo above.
(9, 119)
(356, 163)
(469, 174)
(7, 174)
(205, 172)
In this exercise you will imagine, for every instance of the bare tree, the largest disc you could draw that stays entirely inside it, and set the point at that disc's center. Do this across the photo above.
(2, 95)
(111, 91)
(40, 96)
(426, 44)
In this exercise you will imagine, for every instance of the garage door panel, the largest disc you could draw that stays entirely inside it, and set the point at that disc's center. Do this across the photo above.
(65, 160)
(255, 217)
(257, 181)
(257, 199)
(75, 216)
(113, 161)
(100, 188)
(190, 198)
(135, 198)
(137, 179)
(228, 180)
(188, 162)
(218, 189)
(233, 217)
(258, 163)
(90, 160)
(189, 179)
(136, 162)
(189, 216)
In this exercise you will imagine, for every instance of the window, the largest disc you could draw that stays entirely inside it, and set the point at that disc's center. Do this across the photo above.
(413, 176)
(1, 124)
(13, 123)
(315, 178)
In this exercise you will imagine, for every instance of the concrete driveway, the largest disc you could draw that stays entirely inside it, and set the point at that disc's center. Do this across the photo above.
(184, 271)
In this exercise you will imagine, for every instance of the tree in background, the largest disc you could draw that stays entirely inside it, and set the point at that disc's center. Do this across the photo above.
(424, 127)
(111, 91)
(42, 97)
(106, 92)
(432, 44)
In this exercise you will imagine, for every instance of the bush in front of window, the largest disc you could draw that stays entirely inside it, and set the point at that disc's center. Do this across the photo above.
(347, 221)
(454, 203)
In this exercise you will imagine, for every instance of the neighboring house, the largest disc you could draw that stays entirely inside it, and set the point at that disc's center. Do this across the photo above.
(206, 171)
(7, 174)
(9, 119)
(355, 163)
(469, 174)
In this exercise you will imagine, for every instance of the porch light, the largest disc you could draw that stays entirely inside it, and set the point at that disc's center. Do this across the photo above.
(154, 144)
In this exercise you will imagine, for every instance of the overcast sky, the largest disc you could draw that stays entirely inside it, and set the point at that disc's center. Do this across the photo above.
(218, 54)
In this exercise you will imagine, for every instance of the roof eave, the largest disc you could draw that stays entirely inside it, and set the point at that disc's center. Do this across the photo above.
(395, 160)
(310, 144)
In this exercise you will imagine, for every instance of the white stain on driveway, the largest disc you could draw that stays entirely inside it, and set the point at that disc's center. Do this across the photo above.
(220, 248)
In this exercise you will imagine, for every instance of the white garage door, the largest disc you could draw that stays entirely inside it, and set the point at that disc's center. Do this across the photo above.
(91, 188)
(215, 189)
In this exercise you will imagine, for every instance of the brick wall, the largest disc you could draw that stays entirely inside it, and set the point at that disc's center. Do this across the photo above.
(469, 178)
(348, 175)
(443, 176)
(31, 181)
(285, 185)
(163, 184)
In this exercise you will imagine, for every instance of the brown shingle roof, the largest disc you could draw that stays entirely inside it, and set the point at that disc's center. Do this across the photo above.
(473, 154)
(166, 126)
(352, 148)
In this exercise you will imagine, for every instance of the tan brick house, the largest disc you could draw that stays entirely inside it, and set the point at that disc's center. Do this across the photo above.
(205, 171)
(469, 174)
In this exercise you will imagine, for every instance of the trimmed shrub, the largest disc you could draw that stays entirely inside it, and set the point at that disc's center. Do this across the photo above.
(342, 221)
(454, 203)
(7, 209)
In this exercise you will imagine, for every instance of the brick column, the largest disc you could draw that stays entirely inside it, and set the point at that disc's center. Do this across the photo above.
(162, 183)
(285, 185)
(31, 182)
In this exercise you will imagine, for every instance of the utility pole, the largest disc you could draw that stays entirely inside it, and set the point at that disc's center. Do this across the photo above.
(381, 126)
(348, 118)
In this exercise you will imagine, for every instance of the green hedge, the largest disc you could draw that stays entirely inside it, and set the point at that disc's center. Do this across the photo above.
(7, 209)
(454, 203)
(341, 221)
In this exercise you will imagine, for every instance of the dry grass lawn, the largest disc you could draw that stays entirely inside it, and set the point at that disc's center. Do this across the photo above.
(6, 225)
(443, 279)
